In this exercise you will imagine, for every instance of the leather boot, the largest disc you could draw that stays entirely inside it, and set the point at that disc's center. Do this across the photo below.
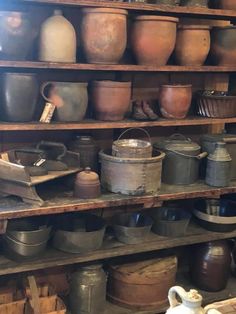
(149, 111)
(138, 113)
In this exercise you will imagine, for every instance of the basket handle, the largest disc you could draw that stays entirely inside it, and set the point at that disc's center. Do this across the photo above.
(178, 136)
(141, 129)
(34, 294)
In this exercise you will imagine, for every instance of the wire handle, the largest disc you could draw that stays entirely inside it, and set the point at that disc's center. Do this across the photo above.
(141, 129)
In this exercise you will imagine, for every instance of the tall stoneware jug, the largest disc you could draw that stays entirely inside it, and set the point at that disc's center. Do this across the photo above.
(57, 40)
(88, 290)
(19, 96)
(210, 265)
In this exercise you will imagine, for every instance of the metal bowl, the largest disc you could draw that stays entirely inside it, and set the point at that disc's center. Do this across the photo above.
(132, 148)
(132, 228)
(79, 233)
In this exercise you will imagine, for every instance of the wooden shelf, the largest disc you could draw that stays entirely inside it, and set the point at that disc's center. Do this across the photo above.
(112, 248)
(34, 65)
(96, 125)
(57, 200)
(160, 9)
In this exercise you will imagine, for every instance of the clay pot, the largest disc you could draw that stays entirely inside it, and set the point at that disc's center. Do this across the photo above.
(153, 39)
(87, 184)
(19, 96)
(185, 49)
(175, 100)
(194, 3)
(210, 265)
(104, 34)
(223, 45)
(57, 40)
(16, 35)
(110, 99)
(227, 4)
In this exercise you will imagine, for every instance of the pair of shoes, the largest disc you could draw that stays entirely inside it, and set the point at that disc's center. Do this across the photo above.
(143, 111)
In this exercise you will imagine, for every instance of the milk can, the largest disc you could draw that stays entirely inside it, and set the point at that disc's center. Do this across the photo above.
(88, 290)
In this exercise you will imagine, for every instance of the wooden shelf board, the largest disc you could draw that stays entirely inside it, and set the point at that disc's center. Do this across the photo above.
(112, 248)
(57, 200)
(33, 65)
(174, 10)
(96, 125)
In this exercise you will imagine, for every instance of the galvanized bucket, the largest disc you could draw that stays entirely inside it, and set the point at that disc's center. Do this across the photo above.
(131, 176)
(132, 148)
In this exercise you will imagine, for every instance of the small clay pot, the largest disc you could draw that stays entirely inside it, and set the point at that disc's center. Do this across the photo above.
(153, 39)
(175, 100)
(110, 99)
(104, 34)
(223, 45)
(185, 49)
(227, 4)
(194, 3)
(87, 184)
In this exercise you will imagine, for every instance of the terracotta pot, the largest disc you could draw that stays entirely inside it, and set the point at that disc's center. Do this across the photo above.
(110, 99)
(175, 100)
(107, 44)
(223, 45)
(87, 184)
(210, 265)
(153, 39)
(194, 3)
(227, 4)
(185, 49)
(57, 39)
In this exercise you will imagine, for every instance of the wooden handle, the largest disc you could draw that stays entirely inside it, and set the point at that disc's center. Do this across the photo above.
(34, 295)
(230, 139)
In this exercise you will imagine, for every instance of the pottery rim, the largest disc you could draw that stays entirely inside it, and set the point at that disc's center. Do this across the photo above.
(105, 10)
(111, 84)
(176, 86)
(157, 18)
(200, 27)
(224, 27)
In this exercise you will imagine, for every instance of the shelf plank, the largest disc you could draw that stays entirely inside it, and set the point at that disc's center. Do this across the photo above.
(98, 125)
(33, 65)
(57, 200)
(173, 10)
(112, 248)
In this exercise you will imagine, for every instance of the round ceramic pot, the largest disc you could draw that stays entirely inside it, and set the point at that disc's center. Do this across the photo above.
(194, 3)
(185, 49)
(153, 39)
(227, 4)
(107, 44)
(16, 35)
(223, 45)
(175, 101)
(70, 99)
(111, 100)
(19, 96)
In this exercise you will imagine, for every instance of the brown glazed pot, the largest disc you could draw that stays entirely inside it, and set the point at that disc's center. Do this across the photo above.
(153, 39)
(110, 99)
(104, 34)
(175, 100)
(87, 184)
(223, 45)
(227, 4)
(185, 49)
(210, 265)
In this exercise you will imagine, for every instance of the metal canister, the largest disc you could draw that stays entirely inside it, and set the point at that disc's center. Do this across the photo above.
(88, 150)
(218, 172)
(88, 290)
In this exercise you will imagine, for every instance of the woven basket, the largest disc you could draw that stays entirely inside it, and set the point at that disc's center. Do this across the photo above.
(217, 106)
(11, 301)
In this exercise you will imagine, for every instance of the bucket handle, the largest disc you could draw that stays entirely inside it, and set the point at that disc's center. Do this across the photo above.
(42, 91)
(141, 129)
(199, 156)
(179, 136)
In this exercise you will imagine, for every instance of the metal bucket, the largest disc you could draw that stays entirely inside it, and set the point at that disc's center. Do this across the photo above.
(132, 148)
(131, 176)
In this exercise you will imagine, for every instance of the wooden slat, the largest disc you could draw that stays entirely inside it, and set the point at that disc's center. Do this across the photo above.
(174, 10)
(112, 248)
(59, 201)
(96, 125)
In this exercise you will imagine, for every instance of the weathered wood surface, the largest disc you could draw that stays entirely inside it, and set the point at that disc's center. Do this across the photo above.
(57, 200)
(96, 125)
(112, 248)
(175, 10)
(110, 67)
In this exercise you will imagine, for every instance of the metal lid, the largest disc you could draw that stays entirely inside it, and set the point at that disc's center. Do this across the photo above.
(177, 142)
(216, 137)
(184, 146)
(87, 177)
(220, 153)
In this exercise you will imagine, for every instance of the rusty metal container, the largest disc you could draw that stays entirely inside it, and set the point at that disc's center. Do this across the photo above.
(131, 176)
(143, 285)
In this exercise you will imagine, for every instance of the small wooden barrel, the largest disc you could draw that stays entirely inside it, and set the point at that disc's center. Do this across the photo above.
(142, 285)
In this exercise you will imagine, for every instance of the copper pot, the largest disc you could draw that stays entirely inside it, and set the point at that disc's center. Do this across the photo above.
(210, 265)
(223, 45)
(111, 100)
(185, 49)
(87, 184)
(104, 34)
(227, 4)
(153, 39)
(175, 100)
